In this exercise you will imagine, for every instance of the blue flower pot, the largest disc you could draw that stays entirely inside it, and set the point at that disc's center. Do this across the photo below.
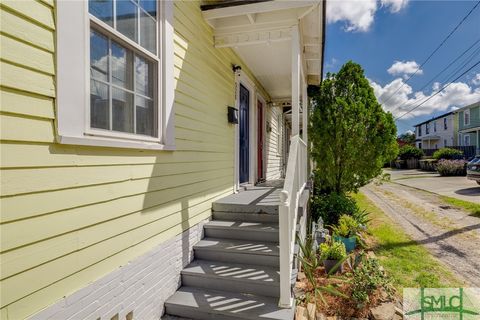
(350, 243)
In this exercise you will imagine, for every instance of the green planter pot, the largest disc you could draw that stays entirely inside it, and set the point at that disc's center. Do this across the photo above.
(350, 243)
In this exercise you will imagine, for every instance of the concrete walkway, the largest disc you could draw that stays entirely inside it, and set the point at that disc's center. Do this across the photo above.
(455, 187)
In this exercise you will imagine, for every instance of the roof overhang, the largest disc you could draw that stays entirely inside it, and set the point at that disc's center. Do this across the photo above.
(261, 34)
(431, 138)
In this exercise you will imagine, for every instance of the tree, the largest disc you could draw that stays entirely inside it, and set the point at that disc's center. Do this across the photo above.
(407, 137)
(352, 137)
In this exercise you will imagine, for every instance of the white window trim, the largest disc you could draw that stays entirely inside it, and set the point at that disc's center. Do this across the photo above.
(467, 111)
(73, 82)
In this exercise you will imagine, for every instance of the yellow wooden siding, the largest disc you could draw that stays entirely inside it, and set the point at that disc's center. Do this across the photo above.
(71, 214)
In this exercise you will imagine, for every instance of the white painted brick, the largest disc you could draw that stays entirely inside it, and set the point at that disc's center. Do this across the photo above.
(142, 285)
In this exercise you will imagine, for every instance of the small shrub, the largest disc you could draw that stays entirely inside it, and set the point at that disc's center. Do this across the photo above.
(362, 217)
(331, 206)
(452, 167)
(448, 153)
(410, 152)
(332, 251)
(347, 227)
(367, 278)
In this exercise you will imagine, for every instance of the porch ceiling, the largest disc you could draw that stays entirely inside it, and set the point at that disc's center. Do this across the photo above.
(261, 34)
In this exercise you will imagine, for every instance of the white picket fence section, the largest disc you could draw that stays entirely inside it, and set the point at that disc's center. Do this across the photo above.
(295, 182)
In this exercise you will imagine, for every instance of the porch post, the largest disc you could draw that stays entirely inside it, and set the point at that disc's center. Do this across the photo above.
(295, 80)
(305, 113)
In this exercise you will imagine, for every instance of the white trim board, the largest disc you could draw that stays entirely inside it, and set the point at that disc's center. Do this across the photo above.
(242, 78)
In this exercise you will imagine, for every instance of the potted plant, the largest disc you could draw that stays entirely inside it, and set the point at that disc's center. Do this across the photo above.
(332, 253)
(346, 232)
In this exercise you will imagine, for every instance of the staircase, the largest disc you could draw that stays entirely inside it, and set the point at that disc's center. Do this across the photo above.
(235, 274)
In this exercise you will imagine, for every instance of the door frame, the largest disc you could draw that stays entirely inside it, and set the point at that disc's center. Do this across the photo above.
(243, 79)
(261, 99)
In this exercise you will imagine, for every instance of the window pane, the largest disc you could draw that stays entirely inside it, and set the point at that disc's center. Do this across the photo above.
(122, 110)
(144, 76)
(102, 9)
(99, 110)
(127, 18)
(147, 32)
(122, 66)
(149, 6)
(145, 116)
(98, 56)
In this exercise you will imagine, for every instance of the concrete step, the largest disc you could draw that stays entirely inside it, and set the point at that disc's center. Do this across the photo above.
(255, 231)
(232, 277)
(255, 200)
(245, 217)
(203, 304)
(238, 251)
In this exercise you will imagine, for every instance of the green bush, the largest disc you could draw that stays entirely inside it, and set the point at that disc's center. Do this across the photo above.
(448, 153)
(367, 278)
(452, 167)
(332, 251)
(409, 152)
(331, 206)
(347, 227)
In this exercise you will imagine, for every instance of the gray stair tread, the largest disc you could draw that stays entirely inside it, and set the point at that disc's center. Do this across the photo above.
(169, 317)
(240, 306)
(234, 271)
(238, 246)
(253, 226)
(251, 200)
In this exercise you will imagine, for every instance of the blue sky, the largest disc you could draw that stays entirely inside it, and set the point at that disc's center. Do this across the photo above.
(391, 38)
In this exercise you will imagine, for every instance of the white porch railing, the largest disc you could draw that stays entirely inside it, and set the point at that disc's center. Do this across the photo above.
(295, 182)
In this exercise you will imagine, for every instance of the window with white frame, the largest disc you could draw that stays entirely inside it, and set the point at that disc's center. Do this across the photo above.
(115, 73)
(466, 117)
(466, 139)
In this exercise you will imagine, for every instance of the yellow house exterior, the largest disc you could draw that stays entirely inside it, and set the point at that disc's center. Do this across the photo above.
(73, 214)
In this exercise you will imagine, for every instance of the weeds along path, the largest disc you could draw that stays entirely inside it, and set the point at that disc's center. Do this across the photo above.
(451, 235)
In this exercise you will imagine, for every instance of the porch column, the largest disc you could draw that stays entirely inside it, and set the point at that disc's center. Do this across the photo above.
(305, 113)
(295, 81)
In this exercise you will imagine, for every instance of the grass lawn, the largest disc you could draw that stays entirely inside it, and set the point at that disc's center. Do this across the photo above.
(408, 263)
(471, 207)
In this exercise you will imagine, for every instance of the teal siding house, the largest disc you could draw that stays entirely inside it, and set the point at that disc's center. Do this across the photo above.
(469, 126)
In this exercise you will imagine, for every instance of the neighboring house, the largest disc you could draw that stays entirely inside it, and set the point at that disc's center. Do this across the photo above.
(436, 133)
(469, 125)
(115, 145)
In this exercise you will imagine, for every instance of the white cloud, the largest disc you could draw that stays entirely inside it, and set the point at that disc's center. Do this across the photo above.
(394, 5)
(359, 15)
(332, 63)
(404, 68)
(476, 80)
(458, 94)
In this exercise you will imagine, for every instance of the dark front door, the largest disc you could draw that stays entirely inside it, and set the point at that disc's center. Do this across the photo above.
(260, 142)
(244, 142)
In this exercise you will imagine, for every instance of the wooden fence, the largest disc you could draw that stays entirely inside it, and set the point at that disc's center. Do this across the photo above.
(468, 151)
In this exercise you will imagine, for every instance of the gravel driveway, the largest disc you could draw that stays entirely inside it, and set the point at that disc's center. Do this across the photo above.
(451, 235)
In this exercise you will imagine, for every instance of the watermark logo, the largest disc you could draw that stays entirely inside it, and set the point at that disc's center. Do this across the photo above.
(441, 303)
